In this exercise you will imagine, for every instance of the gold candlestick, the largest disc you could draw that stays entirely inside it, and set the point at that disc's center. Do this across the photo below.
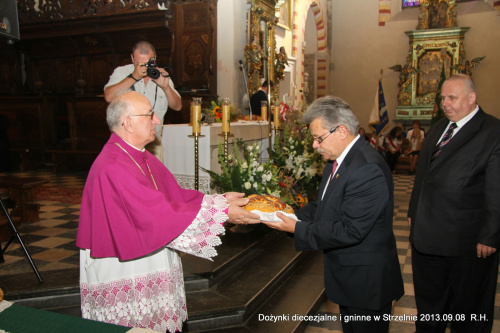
(276, 116)
(196, 124)
(196, 163)
(226, 114)
(196, 115)
(263, 110)
(226, 119)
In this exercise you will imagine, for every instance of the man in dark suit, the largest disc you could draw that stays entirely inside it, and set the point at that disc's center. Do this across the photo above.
(259, 96)
(454, 215)
(351, 221)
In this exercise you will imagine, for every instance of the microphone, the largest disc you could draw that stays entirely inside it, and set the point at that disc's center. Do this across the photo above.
(241, 64)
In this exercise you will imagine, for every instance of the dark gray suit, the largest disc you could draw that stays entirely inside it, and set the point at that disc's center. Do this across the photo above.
(455, 205)
(353, 227)
(456, 200)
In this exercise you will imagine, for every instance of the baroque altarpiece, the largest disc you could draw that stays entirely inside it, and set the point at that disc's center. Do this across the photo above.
(436, 42)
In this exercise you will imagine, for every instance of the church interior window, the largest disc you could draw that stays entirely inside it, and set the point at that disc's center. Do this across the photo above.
(416, 3)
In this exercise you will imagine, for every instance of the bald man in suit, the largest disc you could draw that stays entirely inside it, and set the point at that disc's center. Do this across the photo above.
(454, 215)
(351, 222)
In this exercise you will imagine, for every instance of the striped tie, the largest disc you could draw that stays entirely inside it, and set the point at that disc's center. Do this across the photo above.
(333, 170)
(446, 138)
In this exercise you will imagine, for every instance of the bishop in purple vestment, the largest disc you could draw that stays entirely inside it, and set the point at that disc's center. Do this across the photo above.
(133, 218)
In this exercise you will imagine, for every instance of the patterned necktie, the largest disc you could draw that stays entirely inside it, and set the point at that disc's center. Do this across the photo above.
(446, 138)
(333, 170)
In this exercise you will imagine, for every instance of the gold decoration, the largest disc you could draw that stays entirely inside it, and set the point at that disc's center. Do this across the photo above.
(467, 66)
(437, 14)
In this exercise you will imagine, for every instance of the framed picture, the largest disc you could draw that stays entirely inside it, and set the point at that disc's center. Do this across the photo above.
(285, 20)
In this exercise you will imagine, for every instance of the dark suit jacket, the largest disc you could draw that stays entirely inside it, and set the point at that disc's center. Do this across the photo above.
(455, 202)
(353, 227)
(256, 102)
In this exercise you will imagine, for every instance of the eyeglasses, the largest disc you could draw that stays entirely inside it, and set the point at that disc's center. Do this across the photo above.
(151, 115)
(321, 138)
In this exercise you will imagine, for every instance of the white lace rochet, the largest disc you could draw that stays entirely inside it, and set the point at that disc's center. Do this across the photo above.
(149, 292)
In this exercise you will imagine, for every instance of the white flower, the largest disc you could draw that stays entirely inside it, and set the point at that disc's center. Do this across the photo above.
(248, 185)
(244, 165)
(255, 185)
(260, 168)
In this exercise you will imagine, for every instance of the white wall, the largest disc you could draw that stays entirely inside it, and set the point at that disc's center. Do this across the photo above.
(231, 40)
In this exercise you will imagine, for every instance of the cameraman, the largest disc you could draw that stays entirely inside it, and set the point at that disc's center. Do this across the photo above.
(160, 92)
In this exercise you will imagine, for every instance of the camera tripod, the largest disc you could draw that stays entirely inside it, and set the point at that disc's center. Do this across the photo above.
(15, 234)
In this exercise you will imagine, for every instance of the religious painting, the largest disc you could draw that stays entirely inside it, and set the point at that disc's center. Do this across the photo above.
(438, 13)
(285, 20)
(430, 65)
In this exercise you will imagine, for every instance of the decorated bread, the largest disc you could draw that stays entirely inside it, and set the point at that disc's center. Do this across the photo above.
(267, 204)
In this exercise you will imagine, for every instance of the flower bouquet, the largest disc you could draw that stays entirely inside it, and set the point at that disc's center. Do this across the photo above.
(244, 172)
(213, 114)
(301, 167)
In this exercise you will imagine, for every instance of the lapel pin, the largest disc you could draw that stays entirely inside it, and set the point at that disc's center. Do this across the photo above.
(337, 176)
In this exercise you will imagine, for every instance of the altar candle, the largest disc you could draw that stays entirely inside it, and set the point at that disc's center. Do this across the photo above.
(226, 115)
(263, 110)
(276, 116)
(196, 115)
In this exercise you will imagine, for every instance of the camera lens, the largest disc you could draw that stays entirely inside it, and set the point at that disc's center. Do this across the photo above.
(153, 72)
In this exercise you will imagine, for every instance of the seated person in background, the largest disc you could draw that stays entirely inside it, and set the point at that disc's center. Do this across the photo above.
(377, 142)
(362, 133)
(393, 143)
(259, 96)
(416, 140)
(416, 126)
(403, 133)
(134, 217)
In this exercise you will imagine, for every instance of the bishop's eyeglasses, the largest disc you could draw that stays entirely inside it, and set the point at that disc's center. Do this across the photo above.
(151, 115)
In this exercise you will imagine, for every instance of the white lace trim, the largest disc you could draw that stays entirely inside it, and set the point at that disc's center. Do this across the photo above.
(200, 238)
(155, 301)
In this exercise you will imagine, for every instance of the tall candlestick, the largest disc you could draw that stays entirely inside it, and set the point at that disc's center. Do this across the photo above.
(263, 110)
(226, 114)
(276, 116)
(196, 115)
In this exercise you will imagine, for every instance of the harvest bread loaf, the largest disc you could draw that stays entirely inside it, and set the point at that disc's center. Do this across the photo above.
(267, 204)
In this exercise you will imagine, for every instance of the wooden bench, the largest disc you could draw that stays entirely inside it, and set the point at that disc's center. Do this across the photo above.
(28, 123)
(21, 191)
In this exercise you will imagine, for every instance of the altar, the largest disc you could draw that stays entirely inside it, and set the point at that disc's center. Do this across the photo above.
(178, 148)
